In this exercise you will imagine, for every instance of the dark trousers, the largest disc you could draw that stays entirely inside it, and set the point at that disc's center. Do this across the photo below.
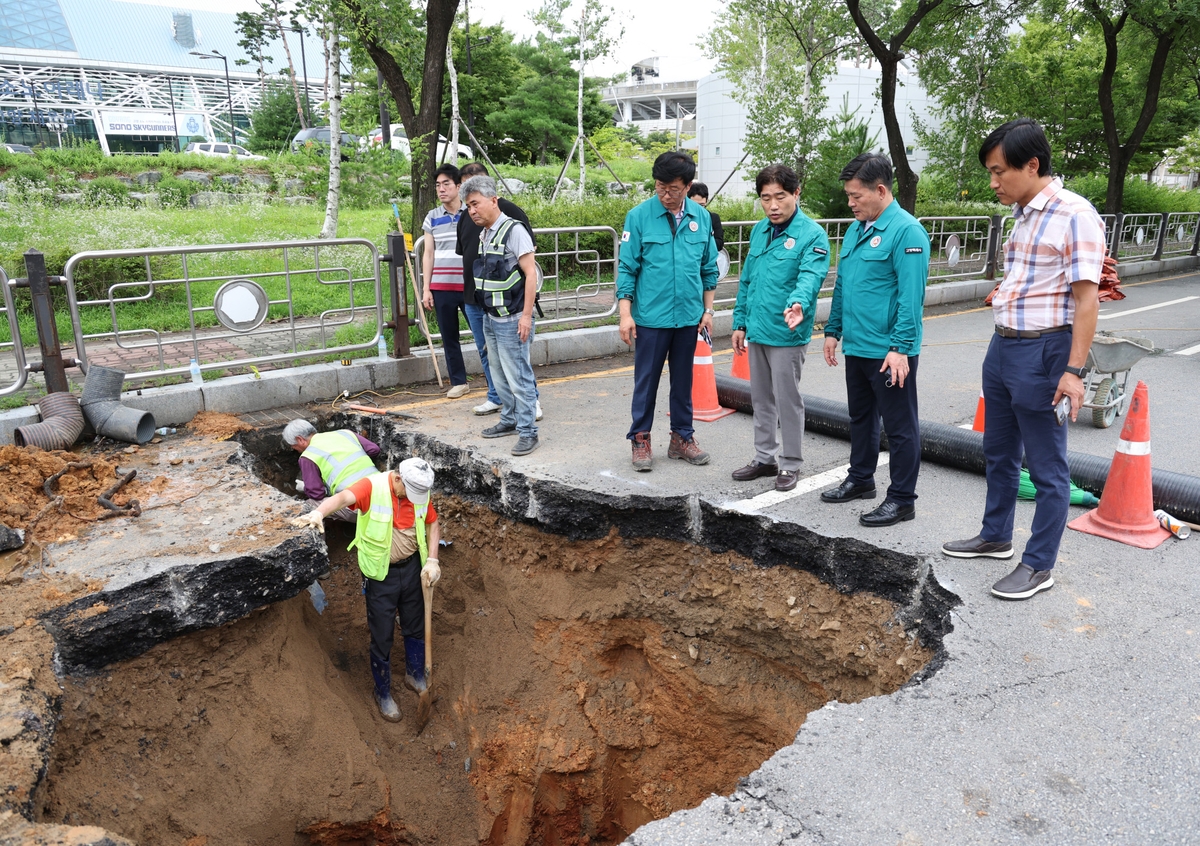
(447, 305)
(1020, 376)
(869, 398)
(399, 593)
(653, 347)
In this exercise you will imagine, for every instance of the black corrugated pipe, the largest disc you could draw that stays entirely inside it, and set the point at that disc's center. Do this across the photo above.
(62, 423)
(1176, 493)
(101, 404)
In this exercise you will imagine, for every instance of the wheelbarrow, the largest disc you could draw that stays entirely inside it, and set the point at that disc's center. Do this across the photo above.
(1114, 357)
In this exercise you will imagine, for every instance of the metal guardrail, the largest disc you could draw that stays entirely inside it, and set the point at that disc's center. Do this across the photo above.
(564, 297)
(1180, 233)
(240, 318)
(1139, 235)
(14, 343)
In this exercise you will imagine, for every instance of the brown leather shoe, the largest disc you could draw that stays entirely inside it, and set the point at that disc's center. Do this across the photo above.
(643, 459)
(754, 470)
(786, 480)
(688, 450)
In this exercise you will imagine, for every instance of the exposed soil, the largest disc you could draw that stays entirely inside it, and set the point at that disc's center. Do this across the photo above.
(217, 425)
(584, 689)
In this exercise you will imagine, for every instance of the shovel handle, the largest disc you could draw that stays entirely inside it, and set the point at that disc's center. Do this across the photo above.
(428, 595)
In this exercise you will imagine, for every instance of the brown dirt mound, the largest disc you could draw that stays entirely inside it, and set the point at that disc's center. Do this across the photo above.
(24, 501)
(216, 425)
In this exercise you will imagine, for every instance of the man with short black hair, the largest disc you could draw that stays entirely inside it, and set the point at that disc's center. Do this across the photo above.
(506, 284)
(442, 268)
(1045, 312)
(784, 269)
(878, 304)
(666, 281)
(699, 193)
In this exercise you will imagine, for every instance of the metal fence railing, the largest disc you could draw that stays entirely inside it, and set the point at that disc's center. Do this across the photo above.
(13, 345)
(1138, 235)
(1179, 234)
(243, 304)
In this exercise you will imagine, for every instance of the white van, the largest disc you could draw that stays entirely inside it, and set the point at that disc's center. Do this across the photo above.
(374, 138)
(227, 151)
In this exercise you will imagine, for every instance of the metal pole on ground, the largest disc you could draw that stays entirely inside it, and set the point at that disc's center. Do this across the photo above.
(399, 294)
(43, 316)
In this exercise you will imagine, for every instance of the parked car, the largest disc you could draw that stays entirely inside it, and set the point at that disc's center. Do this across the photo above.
(227, 151)
(317, 137)
(19, 149)
(374, 138)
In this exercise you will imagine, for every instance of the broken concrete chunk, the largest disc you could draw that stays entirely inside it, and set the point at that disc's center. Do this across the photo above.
(11, 538)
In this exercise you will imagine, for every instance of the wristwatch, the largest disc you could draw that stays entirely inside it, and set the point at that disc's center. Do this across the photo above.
(1076, 371)
(709, 311)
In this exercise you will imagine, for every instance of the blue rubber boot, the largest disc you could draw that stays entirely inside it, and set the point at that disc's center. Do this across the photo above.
(414, 663)
(381, 671)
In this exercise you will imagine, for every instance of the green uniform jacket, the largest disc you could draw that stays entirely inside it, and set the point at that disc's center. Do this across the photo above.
(777, 274)
(879, 299)
(663, 272)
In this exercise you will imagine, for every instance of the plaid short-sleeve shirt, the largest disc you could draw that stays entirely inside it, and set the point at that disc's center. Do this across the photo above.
(1058, 239)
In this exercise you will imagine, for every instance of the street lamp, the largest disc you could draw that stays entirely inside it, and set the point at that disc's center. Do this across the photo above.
(174, 120)
(304, 68)
(228, 91)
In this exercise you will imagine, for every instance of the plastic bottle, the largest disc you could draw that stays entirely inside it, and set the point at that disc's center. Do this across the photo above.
(166, 430)
(318, 597)
(197, 378)
(383, 351)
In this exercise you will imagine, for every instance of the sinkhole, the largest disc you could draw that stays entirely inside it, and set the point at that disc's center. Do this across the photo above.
(599, 662)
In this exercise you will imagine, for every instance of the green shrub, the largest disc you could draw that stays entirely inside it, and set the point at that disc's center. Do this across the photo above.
(174, 193)
(106, 191)
(1140, 197)
(30, 173)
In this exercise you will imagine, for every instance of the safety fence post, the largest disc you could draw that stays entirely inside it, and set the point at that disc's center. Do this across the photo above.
(398, 290)
(993, 247)
(1162, 238)
(43, 315)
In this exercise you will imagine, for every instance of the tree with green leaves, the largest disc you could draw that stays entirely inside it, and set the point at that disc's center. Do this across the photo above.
(849, 135)
(255, 38)
(274, 18)
(274, 123)
(409, 49)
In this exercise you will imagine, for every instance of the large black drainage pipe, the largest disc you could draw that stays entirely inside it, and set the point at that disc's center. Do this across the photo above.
(1176, 493)
(61, 426)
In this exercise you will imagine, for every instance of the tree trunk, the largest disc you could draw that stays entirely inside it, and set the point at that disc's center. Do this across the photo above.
(329, 229)
(291, 65)
(579, 106)
(452, 149)
(906, 180)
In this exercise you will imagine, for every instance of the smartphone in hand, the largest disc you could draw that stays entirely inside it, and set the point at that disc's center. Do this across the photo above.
(1062, 411)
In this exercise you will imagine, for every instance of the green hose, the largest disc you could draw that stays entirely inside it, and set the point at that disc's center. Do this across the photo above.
(1078, 496)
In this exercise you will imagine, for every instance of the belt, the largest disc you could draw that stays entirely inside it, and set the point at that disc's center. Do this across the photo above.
(1005, 332)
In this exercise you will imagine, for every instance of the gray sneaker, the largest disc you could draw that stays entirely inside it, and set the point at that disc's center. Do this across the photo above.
(525, 445)
(977, 547)
(1023, 583)
(499, 431)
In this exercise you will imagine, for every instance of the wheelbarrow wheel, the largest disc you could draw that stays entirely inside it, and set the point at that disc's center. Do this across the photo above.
(1108, 391)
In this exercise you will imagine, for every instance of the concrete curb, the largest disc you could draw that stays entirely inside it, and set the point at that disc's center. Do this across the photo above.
(177, 404)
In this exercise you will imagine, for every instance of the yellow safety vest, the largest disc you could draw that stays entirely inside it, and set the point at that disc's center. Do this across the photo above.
(340, 458)
(373, 537)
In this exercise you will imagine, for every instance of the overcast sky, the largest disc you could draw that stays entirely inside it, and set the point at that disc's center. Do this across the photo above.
(669, 29)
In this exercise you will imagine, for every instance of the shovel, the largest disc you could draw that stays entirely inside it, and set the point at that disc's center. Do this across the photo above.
(425, 703)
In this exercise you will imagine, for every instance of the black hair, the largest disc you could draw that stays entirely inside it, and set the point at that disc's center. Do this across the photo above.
(474, 169)
(777, 174)
(674, 165)
(448, 170)
(1019, 141)
(698, 189)
(870, 169)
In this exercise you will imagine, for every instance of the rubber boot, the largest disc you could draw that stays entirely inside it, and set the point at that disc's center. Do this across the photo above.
(382, 672)
(414, 663)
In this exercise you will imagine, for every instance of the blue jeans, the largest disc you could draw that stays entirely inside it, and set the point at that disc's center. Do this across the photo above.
(1020, 376)
(475, 321)
(653, 348)
(514, 382)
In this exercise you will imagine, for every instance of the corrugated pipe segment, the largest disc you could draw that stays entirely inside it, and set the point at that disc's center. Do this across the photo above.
(101, 404)
(61, 426)
(1176, 493)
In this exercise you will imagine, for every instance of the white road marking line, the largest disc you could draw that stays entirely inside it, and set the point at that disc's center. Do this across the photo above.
(1146, 308)
(1188, 351)
(807, 485)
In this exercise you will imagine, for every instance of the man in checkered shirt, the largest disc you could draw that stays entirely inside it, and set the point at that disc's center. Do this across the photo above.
(1045, 313)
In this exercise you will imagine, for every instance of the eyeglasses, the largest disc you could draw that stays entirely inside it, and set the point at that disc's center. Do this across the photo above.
(669, 190)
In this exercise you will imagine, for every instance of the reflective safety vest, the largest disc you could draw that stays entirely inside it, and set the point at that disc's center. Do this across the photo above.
(373, 537)
(499, 280)
(340, 458)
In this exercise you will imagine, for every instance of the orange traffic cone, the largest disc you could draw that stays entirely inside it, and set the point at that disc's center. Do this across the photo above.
(741, 365)
(1126, 510)
(704, 386)
(978, 427)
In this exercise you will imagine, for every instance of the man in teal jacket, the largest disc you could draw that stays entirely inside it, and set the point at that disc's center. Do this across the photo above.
(877, 308)
(783, 272)
(666, 279)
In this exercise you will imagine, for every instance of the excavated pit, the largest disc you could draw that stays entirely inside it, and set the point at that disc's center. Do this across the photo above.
(599, 662)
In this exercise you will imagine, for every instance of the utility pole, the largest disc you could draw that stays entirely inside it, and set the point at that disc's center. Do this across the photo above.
(228, 90)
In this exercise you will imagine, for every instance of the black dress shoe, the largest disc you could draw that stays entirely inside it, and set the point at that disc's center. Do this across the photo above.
(847, 491)
(889, 513)
(754, 470)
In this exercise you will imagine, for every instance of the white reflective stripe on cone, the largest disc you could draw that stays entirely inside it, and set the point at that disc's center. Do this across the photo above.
(1133, 447)
(703, 359)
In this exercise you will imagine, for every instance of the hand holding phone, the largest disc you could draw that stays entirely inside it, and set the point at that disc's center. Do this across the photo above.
(1062, 411)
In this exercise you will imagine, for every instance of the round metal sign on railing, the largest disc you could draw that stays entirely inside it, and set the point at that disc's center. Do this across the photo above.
(1181, 233)
(1140, 235)
(722, 263)
(953, 250)
(241, 305)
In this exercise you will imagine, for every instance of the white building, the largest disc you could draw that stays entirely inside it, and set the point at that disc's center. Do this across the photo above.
(721, 121)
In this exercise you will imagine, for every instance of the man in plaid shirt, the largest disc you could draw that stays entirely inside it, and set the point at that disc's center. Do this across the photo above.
(1045, 314)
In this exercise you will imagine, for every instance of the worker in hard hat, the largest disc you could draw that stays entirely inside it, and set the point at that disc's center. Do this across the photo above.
(330, 462)
(394, 515)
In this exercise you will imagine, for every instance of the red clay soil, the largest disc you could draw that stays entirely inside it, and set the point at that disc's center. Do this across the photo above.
(584, 689)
